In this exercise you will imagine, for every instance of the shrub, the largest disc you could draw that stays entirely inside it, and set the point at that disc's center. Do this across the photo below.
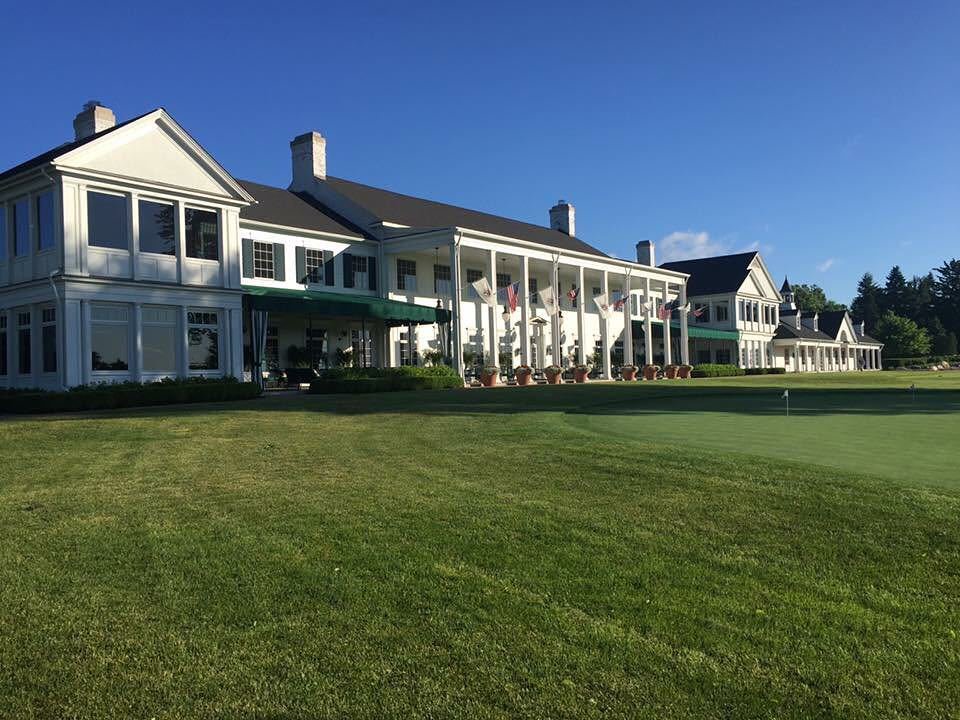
(776, 371)
(367, 380)
(108, 396)
(715, 370)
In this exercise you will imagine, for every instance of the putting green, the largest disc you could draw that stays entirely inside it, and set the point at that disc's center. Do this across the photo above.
(885, 433)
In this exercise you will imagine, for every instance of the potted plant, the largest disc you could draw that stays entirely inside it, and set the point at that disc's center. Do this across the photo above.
(670, 372)
(489, 375)
(628, 372)
(523, 373)
(553, 373)
(684, 372)
(650, 372)
(581, 372)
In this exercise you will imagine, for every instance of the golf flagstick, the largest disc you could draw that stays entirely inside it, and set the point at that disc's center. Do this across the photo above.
(786, 396)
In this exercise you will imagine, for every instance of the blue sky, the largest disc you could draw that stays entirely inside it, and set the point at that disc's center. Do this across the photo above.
(825, 134)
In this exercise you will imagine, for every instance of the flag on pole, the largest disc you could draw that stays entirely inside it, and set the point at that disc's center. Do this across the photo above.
(549, 299)
(513, 291)
(786, 395)
(621, 301)
(486, 293)
(572, 294)
(603, 306)
(698, 311)
(666, 310)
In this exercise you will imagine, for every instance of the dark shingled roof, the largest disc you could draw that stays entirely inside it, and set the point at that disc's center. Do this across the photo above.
(278, 206)
(713, 275)
(389, 206)
(831, 320)
(786, 331)
(49, 155)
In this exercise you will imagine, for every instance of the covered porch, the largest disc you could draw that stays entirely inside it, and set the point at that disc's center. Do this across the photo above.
(706, 345)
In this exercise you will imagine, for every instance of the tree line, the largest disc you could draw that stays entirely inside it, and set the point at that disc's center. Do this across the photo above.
(913, 318)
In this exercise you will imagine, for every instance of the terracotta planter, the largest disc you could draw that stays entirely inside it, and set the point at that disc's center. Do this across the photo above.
(628, 374)
(523, 378)
(488, 380)
(684, 372)
(650, 372)
(580, 376)
(670, 372)
(553, 378)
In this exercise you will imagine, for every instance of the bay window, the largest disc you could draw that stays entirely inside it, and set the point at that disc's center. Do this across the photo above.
(203, 339)
(157, 227)
(159, 339)
(202, 234)
(45, 239)
(109, 337)
(48, 339)
(106, 220)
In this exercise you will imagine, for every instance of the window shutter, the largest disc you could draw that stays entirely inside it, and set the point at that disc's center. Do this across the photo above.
(279, 270)
(347, 270)
(248, 257)
(301, 253)
(372, 272)
(328, 277)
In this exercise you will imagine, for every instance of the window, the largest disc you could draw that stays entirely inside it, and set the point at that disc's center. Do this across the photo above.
(472, 277)
(756, 356)
(3, 233)
(21, 228)
(316, 346)
(701, 313)
(110, 337)
(106, 220)
(442, 279)
(596, 291)
(721, 311)
(159, 336)
(272, 350)
(3, 342)
(313, 264)
(157, 229)
(743, 315)
(743, 357)
(360, 278)
(45, 239)
(723, 357)
(201, 231)
(503, 279)
(263, 260)
(407, 348)
(362, 352)
(23, 343)
(534, 291)
(407, 275)
(203, 339)
(48, 339)
(756, 312)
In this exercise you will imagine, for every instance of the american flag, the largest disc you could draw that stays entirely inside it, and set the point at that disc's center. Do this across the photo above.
(513, 291)
(620, 302)
(699, 310)
(572, 294)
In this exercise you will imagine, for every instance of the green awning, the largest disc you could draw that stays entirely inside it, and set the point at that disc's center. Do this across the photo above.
(694, 331)
(392, 312)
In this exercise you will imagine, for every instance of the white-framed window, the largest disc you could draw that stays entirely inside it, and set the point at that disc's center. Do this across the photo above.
(360, 278)
(701, 313)
(721, 311)
(263, 260)
(3, 343)
(534, 290)
(3, 233)
(21, 228)
(157, 227)
(313, 265)
(317, 346)
(159, 338)
(48, 339)
(203, 339)
(45, 236)
(743, 357)
(24, 346)
(442, 282)
(503, 279)
(362, 350)
(407, 275)
(109, 337)
(472, 277)
(272, 350)
(107, 220)
(201, 229)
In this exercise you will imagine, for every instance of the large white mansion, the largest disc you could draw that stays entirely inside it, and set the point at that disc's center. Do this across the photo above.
(131, 254)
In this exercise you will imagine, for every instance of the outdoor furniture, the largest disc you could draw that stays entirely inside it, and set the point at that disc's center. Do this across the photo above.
(298, 376)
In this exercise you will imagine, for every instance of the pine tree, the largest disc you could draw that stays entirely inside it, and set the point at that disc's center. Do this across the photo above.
(895, 293)
(946, 295)
(866, 305)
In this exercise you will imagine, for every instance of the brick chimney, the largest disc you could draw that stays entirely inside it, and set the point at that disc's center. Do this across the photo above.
(309, 155)
(645, 253)
(562, 218)
(93, 119)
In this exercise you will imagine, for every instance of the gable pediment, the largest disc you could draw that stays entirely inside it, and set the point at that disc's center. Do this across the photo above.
(758, 282)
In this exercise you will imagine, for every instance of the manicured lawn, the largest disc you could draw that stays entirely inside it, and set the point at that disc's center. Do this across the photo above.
(536, 552)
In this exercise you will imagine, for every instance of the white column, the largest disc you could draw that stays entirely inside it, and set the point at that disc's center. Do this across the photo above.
(493, 358)
(605, 328)
(184, 364)
(86, 350)
(455, 339)
(555, 319)
(581, 300)
(627, 321)
(684, 331)
(667, 350)
(525, 310)
(647, 323)
(235, 338)
(136, 367)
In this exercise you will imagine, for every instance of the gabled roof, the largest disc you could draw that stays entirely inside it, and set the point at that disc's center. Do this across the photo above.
(787, 331)
(278, 206)
(785, 288)
(53, 153)
(714, 275)
(831, 321)
(392, 207)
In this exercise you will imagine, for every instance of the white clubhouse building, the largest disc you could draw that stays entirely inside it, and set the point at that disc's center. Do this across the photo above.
(130, 254)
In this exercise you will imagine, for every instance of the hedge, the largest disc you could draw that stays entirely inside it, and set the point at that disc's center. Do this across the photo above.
(893, 362)
(126, 395)
(368, 380)
(766, 371)
(715, 370)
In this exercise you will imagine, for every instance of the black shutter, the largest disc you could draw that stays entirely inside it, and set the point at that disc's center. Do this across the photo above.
(372, 272)
(301, 253)
(248, 257)
(279, 268)
(347, 269)
(328, 276)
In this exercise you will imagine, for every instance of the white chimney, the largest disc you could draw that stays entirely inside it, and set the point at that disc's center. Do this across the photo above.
(645, 253)
(309, 155)
(93, 119)
(562, 218)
